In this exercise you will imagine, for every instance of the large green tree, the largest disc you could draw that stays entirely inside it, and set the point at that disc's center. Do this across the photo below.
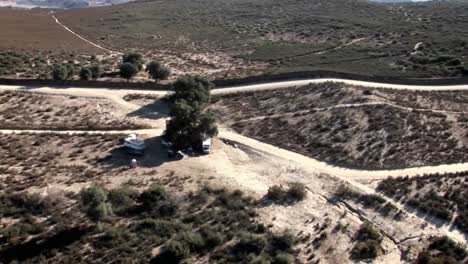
(194, 90)
(135, 59)
(190, 124)
(128, 70)
(60, 72)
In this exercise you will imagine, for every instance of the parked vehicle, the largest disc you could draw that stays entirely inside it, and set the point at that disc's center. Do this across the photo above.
(134, 145)
(177, 155)
(206, 146)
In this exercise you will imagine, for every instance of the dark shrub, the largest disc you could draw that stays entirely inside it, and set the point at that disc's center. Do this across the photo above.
(282, 258)
(282, 242)
(212, 237)
(160, 228)
(276, 194)
(122, 199)
(176, 250)
(366, 250)
(297, 191)
(249, 243)
(368, 245)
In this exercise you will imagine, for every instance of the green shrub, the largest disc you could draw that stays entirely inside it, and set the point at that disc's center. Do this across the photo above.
(212, 237)
(99, 211)
(177, 250)
(96, 71)
(113, 237)
(276, 194)
(282, 242)
(156, 202)
(93, 195)
(368, 231)
(122, 199)
(20, 204)
(368, 245)
(448, 247)
(61, 72)
(85, 74)
(365, 250)
(23, 228)
(161, 228)
(282, 258)
(192, 239)
(94, 202)
(262, 259)
(249, 243)
(297, 191)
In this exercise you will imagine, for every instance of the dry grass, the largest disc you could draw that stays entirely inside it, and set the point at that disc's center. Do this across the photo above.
(25, 110)
(36, 30)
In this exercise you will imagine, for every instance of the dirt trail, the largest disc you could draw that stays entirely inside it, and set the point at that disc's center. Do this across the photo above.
(81, 37)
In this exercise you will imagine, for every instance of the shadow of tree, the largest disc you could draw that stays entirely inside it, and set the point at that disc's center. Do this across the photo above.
(155, 110)
(155, 155)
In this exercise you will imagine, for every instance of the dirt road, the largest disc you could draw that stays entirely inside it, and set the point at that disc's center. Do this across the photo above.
(81, 37)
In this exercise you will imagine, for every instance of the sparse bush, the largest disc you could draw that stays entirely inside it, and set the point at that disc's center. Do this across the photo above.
(160, 228)
(20, 204)
(156, 201)
(296, 192)
(60, 72)
(176, 250)
(249, 243)
(85, 74)
(282, 258)
(192, 239)
(135, 59)
(96, 71)
(122, 199)
(368, 245)
(282, 242)
(157, 71)
(212, 237)
(94, 202)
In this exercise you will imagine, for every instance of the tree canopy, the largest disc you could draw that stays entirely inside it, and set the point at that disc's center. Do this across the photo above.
(194, 90)
(135, 59)
(157, 71)
(85, 73)
(128, 70)
(190, 124)
(60, 72)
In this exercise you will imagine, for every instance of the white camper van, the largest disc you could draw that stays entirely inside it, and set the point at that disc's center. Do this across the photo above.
(206, 146)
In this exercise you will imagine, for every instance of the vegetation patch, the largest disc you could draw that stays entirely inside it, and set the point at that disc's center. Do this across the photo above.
(294, 193)
(373, 201)
(26, 110)
(440, 195)
(152, 219)
(368, 240)
(442, 250)
(353, 126)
